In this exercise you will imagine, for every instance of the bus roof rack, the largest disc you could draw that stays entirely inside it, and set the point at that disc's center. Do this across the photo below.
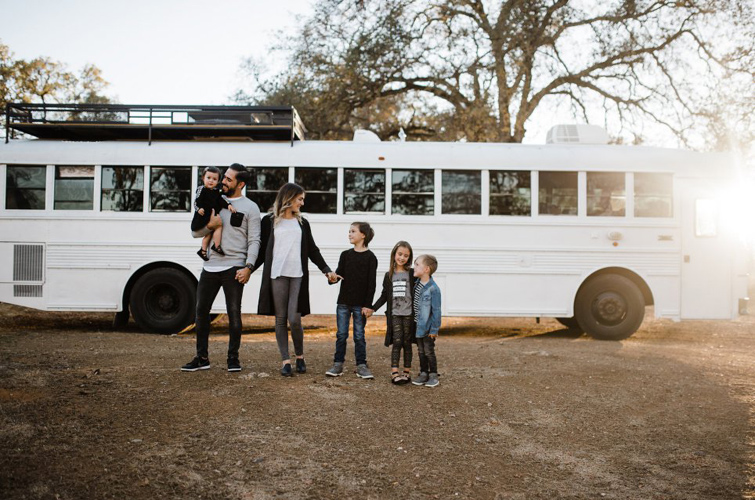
(113, 122)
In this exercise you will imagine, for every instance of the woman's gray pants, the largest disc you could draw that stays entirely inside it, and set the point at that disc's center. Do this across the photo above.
(286, 302)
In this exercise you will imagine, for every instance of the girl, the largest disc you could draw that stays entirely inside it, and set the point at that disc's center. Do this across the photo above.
(357, 268)
(207, 199)
(286, 246)
(399, 323)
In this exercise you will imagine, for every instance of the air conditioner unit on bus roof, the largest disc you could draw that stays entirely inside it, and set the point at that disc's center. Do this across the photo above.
(576, 134)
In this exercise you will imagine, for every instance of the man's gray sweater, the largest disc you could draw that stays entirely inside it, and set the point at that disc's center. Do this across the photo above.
(240, 244)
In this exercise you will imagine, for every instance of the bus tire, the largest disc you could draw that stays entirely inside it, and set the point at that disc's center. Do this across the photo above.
(570, 323)
(609, 307)
(163, 301)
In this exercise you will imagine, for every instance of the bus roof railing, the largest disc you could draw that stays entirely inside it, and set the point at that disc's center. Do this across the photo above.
(108, 122)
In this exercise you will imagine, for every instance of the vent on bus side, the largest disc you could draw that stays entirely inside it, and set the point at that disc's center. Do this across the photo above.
(27, 290)
(28, 265)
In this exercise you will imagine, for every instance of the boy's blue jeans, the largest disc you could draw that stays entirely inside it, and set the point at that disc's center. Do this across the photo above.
(343, 312)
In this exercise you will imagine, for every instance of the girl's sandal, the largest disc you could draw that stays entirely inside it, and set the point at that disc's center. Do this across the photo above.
(396, 378)
(218, 249)
(203, 254)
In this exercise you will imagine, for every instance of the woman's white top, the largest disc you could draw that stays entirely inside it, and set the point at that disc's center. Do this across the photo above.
(287, 250)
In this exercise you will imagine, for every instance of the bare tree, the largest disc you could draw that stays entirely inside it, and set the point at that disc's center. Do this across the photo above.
(479, 70)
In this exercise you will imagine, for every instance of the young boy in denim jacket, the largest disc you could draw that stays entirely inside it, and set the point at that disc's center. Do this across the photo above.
(427, 317)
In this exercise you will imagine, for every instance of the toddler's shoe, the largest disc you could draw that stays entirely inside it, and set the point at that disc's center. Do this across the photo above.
(432, 380)
(203, 254)
(364, 372)
(421, 379)
(218, 250)
(335, 371)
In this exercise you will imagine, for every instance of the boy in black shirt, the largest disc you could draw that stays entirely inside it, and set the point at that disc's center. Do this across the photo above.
(357, 267)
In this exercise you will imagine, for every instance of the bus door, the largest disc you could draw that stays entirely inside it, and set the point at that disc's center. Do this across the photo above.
(706, 267)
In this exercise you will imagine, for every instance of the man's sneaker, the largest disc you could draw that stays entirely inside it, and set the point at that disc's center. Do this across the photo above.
(196, 364)
(335, 371)
(234, 365)
(432, 380)
(421, 379)
(364, 372)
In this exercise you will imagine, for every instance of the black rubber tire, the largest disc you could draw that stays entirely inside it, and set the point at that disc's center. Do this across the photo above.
(609, 307)
(163, 301)
(570, 323)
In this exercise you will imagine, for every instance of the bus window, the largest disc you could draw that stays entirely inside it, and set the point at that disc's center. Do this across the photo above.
(558, 193)
(364, 191)
(74, 188)
(264, 185)
(653, 195)
(170, 189)
(606, 194)
(123, 189)
(412, 192)
(25, 187)
(321, 185)
(462, 192)
(706, 215)
(510, 193)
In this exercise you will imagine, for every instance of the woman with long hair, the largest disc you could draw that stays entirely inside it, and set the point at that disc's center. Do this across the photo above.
(287, 246)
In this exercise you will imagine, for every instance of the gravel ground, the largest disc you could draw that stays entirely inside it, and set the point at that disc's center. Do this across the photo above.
(524, 410)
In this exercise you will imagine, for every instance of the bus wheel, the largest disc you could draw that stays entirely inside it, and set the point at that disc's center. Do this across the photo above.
(163, 301)
(609, 307)
(570, 323)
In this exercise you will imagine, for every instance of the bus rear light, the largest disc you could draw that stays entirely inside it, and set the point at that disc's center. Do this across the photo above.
(743, 305)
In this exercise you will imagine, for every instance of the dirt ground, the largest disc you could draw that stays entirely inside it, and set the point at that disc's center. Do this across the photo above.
(524, 410)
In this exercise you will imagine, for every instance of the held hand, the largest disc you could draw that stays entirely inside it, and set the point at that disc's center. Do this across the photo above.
(200, 211)
(367, 312)
(243, 275)
(433, 336)
(215, 221)
(333, 277)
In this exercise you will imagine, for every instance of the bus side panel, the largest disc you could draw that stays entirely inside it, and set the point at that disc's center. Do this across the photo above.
(509, 294)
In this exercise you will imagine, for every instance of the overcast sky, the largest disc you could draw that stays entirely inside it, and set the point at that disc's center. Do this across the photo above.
(151, 51)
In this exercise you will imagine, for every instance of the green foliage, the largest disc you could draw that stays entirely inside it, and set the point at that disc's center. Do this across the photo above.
(46, 81)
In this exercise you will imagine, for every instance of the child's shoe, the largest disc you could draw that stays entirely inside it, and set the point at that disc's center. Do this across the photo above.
(335, 371)
(218, 250)
(432, 380)
(364, 372)
(203, 254)
(421, 379)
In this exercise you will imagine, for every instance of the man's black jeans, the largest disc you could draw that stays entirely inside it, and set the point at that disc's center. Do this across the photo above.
(207, 290)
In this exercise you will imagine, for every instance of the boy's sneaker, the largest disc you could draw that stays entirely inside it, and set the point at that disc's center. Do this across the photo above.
(234, 365)
(335, 371)
(364, 372)
(432, 380)
(196, 364)
(421, 379)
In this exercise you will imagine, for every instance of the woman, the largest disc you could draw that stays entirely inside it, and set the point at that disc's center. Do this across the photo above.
(287, 244)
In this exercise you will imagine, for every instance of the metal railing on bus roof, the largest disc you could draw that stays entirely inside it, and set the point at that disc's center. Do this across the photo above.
(102, 122)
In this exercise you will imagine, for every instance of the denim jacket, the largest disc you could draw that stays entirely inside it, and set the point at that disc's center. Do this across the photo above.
(428, 315)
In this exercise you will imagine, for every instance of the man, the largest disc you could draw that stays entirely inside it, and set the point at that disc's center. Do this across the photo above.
(230, 270)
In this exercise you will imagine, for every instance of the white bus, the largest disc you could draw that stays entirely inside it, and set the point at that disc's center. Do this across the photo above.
(589, 234)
